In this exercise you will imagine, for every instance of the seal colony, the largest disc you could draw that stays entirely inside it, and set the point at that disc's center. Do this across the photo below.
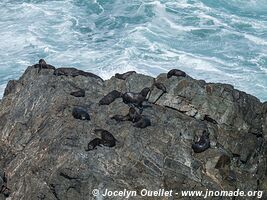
(201, 127)
(133, 100)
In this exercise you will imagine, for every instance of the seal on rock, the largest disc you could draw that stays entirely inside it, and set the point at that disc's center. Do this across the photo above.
(80, 113)
(93, 144)
(110, 97)
(107, 138)
(176, 72)
(142, 123)
(161, 87)
(78, 93)
(135, 98)
(42, 65)
(65, 71)
(132, 116)
(124, 75)
(203, 143)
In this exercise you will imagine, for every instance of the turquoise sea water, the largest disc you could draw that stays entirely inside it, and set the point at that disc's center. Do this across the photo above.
(219, 41)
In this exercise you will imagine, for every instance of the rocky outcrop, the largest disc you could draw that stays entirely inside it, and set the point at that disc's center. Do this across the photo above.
(43, 147)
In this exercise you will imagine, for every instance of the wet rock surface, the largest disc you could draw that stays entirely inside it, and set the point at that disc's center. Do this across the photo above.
(43, 147)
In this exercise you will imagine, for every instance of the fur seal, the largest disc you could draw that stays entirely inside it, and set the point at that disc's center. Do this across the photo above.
(161, 87)
(135, 98)
(176, 72)
(93, 144)
(80, 113)
(107, 138)
(110, 97)
(203, 143)
(65, 71)
(132, 116)
(124, 75)
(142, 123)
(78, 93)
(42, 65)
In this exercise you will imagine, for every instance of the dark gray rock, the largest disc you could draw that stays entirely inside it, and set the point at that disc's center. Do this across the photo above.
(42, 147)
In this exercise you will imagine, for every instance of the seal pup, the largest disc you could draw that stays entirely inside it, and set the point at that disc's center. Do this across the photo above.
(136, 99)
(93, 144)
(107, 138)
(132, 116)
(80, 113)
(202, 144)
(43, 65)
(78, 93)
(70, 71)
(124, 75)
(110, 97)
(142, 123)
(176, 72)
(161, 87)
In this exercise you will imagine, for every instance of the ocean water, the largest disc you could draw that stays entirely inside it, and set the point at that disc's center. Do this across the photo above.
(219, 41)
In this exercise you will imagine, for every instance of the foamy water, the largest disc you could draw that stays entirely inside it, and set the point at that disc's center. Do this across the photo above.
(219, 41)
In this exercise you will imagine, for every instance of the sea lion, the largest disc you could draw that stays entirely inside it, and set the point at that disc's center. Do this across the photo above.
(80, 113)
(43, 65)
(135, 99)
(110, 97)
(107, 138)
(93, 144)
(142, 123)
(78, 93)
(176, 72)
(132, 116)
(203, 143)
(65, 71)
(124, 75)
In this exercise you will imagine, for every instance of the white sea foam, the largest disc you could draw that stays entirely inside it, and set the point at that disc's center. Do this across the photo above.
(2, 89)
(256, 40)
(218, 41)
